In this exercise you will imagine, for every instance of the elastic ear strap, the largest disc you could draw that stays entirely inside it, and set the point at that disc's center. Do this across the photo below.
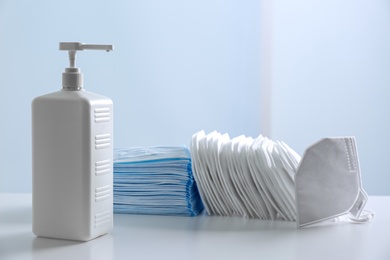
(359, 204)
(357, 214)
(365, 216)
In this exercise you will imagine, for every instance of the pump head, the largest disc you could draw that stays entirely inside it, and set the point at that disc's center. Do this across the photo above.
(72, 78)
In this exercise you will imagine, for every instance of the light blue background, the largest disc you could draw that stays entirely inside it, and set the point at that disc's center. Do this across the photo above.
(331, 77)
(178, 67)
(182, 66)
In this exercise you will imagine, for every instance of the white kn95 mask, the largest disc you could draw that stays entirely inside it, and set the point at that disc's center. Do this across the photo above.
(328, 182)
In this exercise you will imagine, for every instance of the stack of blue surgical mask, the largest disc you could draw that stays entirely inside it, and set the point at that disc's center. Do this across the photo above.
(245, 176)
(155, 180)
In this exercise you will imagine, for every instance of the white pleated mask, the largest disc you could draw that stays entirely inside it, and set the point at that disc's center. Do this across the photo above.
(328, 182)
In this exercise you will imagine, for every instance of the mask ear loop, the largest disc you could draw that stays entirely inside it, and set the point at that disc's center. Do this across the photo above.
(364, 217)
(357, 214)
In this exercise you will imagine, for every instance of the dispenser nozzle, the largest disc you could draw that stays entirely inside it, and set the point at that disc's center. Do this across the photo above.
(73, 47)
(78, 46)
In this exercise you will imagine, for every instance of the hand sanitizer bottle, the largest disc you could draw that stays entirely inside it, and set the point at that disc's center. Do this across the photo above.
(72, 153)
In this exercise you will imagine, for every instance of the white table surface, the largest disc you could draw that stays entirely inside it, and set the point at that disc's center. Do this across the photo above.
(202, 237)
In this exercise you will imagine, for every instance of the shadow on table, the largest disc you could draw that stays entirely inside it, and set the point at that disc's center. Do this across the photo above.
(47, 248)
(15, 244)
(199, 223)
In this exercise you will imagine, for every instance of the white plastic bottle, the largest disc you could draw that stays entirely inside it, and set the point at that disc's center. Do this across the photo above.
(72, 153)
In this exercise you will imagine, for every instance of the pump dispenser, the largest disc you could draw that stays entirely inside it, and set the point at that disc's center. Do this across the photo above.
(72, 78)
(72, 154)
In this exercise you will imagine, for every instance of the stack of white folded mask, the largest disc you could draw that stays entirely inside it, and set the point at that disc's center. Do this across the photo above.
(155, 180)
(245, 176)
(260, 178)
